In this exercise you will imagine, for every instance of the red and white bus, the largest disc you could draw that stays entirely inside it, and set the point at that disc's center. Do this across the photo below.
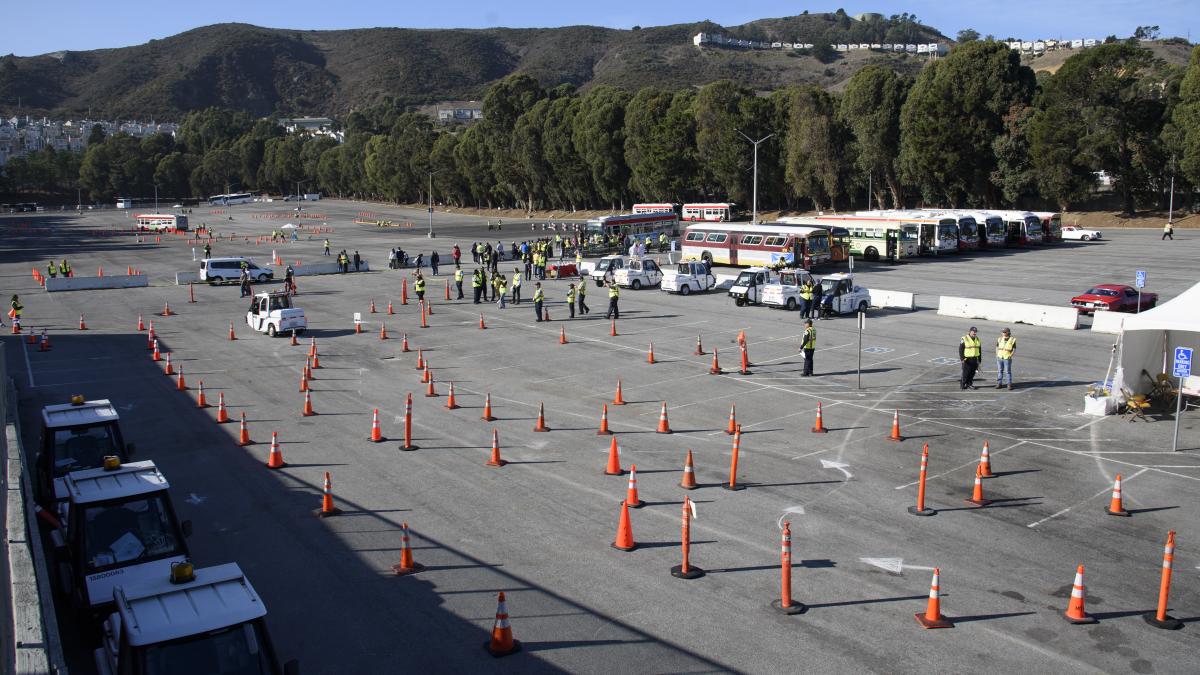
(161, 222)
(656, 208)
(604, 228)
(720, 212)
(1051, 225)
(764, 244)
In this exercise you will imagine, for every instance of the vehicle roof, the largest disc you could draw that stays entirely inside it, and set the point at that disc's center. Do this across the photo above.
(1113, 287)
(100, 411)
(132, 479)
(270, 293)
(237, 258)
(790, 225)
(159, 611)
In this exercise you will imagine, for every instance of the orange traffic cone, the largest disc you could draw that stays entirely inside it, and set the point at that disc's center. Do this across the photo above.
(663, 426)
(428, 305)
(308, 409)
(155, 355)
(424, 320)
(612, 331)
(167, 309)
(1159, 617)
(390, 311)
(141, 326)
(745, 369)
(819, 427)
(631, 494)
(82, 325)
(614, 459)
(624, 540)
(985, 463)
(45, 346)
(168, 369)
(191, 293)
(312, 346)
(699, 348)
(618, 399)
(404, 343)
(430, 391)
(977, 494)
(376, 432)
(243, 432)
(732, 426)
(294, 342)
(502, 642)
(151, 334)
(420, 359)
(357, 326)
(404, 291)
(1116, 506)
(222, 413)
(201, 402)
(741, 337)
(447, 289)
(450, 402)
(541, 419)
(231, 335)
(275, 458)
(689, 474)
(408, 444)
(425, 374)
(327, 508)
(180, 385)
(733, 462)
(482, 325)
(406, 564)
(686, 570)
(1075, 608)
(487, 408)
(604, 422)
(650, 354)
(562, 335)
(895, 435)
(372, 305)
(495, 460)
(932, 618)
(383, 331)
(316, 363)
(715, 369)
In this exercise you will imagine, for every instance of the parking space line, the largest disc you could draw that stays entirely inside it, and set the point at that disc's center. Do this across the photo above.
(961, 466)
(28, 365)
(1105, 491)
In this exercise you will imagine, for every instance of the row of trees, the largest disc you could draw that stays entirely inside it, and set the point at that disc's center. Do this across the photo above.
(975, 128)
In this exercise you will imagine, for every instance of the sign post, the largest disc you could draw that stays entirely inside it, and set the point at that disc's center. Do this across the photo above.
(1182, 368)
(862, 323)
(1140, 282)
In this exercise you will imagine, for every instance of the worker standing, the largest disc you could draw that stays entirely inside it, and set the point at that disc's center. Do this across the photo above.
(207, 250)
(614, 295)
(1168, 231)
(419, 287)
(458, 278)
(539, 296)
(501, 290)
(806, 296)
(434, 259)
(14, 313)
(52, 270)
(1006, 344)
(516, 286)
(326, 247)
(571, 299)
(969, 353)
(64, 268)
(477, 284)
(809, 347)
(582, 296)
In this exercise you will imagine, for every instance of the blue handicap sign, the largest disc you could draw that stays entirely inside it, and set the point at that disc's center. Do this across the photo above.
(1141, 279)
(1183, 362)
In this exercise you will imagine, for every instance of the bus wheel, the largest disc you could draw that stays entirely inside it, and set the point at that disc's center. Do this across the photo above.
(871, 253)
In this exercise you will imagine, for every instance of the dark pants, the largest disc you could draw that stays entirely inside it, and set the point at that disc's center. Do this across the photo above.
(435, 268)
(1167, 235)
(808, 362)
(969, 366)
(459, 285)
(528, 270)
(805, 308)
(478, 291)
(583, 308)
(613, 312)
(537, 309)
(571, 307)
(516, 295)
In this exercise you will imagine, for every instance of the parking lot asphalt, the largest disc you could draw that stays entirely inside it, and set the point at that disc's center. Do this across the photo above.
(540, 528)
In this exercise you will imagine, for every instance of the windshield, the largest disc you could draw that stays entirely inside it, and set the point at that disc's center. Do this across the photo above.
(828, 286)
(745, 278)
(790, 279)
(683, 268)
(1103, 291)
(947, 232)
(83, 448)
(594, 228)
(235, 650)
(280, 302)
(604, 264)
(122, 532)
(967, 230)
(996, 228)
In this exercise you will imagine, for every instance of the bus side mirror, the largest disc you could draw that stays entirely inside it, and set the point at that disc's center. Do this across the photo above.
(291, 667)
(186, 527)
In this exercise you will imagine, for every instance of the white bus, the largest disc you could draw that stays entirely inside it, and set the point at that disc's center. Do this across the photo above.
(934, 233)
(720, 212)
(656, 208)
(231, 198)
(1024, 228)
(161, 222)
(991, 228)
(605, 228)
(874, 238)
(764, 244)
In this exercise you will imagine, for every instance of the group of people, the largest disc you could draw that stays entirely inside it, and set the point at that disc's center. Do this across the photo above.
(970, 355)
(344, 261)
(63, 268)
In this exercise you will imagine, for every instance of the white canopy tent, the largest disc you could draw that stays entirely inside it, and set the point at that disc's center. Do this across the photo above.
(1148, 342)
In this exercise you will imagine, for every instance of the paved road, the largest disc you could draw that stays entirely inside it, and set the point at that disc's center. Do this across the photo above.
(540, 528)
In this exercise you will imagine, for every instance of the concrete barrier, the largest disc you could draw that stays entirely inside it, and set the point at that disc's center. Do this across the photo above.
(724, 281)
(59, 284)
(187, 278)
(307, 270)
(1108, 322)
(893, 299)
(1009, 312)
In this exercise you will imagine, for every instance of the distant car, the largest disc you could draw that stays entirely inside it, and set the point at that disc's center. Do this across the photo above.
(1112, 298)
(1074, 232)
(177, 206)
(563, 270)
(290, 198)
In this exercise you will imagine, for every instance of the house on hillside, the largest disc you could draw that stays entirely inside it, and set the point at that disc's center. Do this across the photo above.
(458, 112)
(317, 126)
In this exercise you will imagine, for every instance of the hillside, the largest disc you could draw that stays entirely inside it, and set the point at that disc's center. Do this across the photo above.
(266, 70)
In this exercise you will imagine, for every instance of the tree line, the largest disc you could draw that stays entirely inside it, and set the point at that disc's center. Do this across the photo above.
(972, 129)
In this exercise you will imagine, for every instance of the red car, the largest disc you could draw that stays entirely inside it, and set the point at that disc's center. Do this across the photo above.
(1112, 298)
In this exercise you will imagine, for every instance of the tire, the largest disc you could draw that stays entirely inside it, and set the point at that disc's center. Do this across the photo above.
(1086, 237)
(262, 278)
(791, 304)
(271, 332)
(871, 253)
(740, 302)
(637, 284)
(685, 289)
(862, 306)
(599, 283)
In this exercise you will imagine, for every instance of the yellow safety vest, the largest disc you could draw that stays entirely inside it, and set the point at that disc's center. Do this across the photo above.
(613, 292)
(570, 295)
(539, 295)
(419, 285)
(971, 347)
(1005, 347)
(476, 281)
(458, 275)
(582, 291)
(516, 281)
(500, 287)
(806, 291)
(810, 338)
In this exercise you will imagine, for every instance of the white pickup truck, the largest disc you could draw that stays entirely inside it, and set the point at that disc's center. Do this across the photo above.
(638, 273)
(272, 313)
(839, 295)
(785, 292)
(607, 267)
(688, 277)
(748, 287)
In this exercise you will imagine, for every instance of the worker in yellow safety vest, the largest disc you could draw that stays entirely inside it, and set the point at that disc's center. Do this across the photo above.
(970, 353)
(571, 299)
(809, 347)
(477, 284)
(806, 295)
(1006, 344)
(419, 286)
(539, 296)
(52, 270)
(613, 295)
(582, 297)
(516, 286)
(458, 279)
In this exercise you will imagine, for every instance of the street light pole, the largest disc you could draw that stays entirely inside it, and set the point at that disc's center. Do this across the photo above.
(156, 197)
(430, 233)
(754, 216)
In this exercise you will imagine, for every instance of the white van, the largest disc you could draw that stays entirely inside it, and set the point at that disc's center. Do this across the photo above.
(217, 270)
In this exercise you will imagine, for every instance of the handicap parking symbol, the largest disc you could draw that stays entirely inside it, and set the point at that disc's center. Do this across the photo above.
(943, 361)
(877, 350)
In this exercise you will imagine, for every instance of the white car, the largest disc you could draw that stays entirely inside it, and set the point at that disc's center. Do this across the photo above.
(607, 267)
(273, 314)
(1076, 232)
(748, 287)
(785, 291)
(638, 273)
(688, 276)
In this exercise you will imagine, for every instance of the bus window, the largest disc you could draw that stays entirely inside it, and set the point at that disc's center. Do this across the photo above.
(775, 242)
(818, 244)
(752, 239)
(718, 237)
(695, 236)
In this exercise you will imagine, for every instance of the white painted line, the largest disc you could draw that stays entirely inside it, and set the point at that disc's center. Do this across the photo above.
(896, 358)
(974, 462)
(1107, 490)
(28, 366)
(1088, 424)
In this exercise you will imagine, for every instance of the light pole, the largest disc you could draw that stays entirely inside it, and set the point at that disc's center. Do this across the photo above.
(156, 197)
(1171, 197)
(754, 217)
(430, 234)
(298, 184)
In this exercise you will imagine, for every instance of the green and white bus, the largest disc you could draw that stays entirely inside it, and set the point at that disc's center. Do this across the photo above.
(870, 238)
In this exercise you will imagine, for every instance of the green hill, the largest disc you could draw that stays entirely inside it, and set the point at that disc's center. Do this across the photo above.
(276, 71)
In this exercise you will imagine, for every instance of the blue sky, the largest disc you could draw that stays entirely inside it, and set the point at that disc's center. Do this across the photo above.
(28, 28)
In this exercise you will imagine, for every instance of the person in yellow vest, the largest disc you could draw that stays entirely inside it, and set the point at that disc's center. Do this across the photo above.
(806, 296)
(1168, 231)
(663, 241)
(15, 313)
(809, 346)
(516, 286)
(64, 268)
(52, 270)
(579, 261)
(1006, 344)
(458, 279)
(477, 284)
(970, 352)
(501, 290)
(539, 296)
(581, 296)
(571, 299)
(614, 294)
(419, 287)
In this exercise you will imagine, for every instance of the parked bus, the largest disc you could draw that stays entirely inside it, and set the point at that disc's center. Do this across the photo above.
(934, 234)
(765, 244)
(1023, 227)
(874, 238)
(231, 198)
(1051, 225)
(721, 212)
(990, 227)
(604, 228)
(161, 222)
(656, 208)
